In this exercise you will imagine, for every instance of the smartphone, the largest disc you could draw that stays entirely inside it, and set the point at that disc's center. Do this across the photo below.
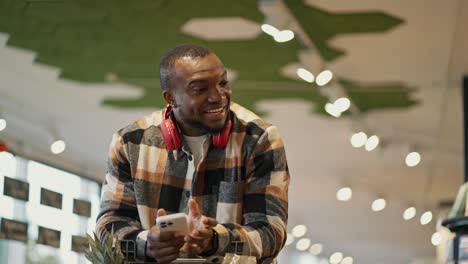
(173, 222)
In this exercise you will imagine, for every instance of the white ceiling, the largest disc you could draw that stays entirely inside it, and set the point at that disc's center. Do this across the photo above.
(428, 52)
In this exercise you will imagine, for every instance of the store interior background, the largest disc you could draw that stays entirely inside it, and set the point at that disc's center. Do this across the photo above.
(80, 70)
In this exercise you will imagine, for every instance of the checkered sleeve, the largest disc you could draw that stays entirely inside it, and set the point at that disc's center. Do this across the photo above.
(118, 204)
(265, 199)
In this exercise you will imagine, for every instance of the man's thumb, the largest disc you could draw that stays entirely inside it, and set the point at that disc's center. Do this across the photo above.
(193, 208)
(161, 212)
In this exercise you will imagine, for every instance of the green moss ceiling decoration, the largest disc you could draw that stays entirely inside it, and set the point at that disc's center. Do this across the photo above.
(321, 25)
(90, 39)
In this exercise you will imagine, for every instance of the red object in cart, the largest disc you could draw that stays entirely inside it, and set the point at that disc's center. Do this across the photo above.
(3, 146)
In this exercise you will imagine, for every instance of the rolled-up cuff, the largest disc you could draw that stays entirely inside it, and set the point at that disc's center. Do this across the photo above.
(141, 245)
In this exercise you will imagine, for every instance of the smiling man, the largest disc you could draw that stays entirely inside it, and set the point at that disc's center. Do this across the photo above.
(200, 92)
(203, 155)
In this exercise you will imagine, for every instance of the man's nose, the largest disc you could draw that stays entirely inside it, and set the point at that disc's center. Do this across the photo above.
(216, 94)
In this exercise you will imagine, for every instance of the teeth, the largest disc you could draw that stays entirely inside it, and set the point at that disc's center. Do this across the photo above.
(215, 110)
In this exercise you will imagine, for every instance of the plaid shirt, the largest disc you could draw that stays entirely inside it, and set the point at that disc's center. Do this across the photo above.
(243, 185)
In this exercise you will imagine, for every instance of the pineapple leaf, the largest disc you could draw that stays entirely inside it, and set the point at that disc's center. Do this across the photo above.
(106, 251)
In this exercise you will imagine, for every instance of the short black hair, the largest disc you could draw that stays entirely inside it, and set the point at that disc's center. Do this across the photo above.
(166, 65)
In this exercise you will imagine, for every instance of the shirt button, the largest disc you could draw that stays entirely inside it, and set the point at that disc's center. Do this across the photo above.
(190, 157)
(187, 194)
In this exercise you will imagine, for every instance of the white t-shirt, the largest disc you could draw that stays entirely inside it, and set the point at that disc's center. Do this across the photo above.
(196, 147)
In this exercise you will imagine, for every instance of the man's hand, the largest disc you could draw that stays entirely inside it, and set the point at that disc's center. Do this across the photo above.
(200, 226)
(163, 246)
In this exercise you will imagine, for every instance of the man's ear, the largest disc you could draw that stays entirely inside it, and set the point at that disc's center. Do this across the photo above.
(169, 97)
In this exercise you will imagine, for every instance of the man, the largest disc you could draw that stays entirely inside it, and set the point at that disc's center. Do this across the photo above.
(203, 155)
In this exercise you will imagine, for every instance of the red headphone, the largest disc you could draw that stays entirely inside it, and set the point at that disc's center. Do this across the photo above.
(171, 135)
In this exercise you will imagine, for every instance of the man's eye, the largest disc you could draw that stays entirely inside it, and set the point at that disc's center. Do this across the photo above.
(198, 89)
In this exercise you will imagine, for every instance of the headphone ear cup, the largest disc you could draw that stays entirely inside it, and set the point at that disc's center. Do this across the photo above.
(221, 139)
(169, 131)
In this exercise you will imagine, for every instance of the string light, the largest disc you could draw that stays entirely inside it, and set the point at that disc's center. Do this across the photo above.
(299, 230)
(284, 36)
(378, 204)
(342, 104)
(336, 257)
(305, 75)
(412, 159)
(372, 142)
(344, 194)
(332, 110)
(347, 260)
(303, 244)
(58, 147)
(269, 29)
(278, 36)
(358, 139)
(436, 238)
(316, 249)
(339, 106)
(426, 218)
(324, 77)
(409, 213)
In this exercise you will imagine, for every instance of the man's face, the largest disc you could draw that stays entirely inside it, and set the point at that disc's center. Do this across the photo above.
(201, 94)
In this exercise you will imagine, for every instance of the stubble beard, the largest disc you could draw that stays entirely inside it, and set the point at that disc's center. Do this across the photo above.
(200, 126)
